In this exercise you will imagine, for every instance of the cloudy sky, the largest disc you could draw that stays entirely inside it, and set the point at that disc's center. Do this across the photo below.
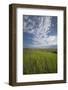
(39, 31)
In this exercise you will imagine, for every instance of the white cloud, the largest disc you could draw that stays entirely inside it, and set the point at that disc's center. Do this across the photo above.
(52, 40)
(41, 39)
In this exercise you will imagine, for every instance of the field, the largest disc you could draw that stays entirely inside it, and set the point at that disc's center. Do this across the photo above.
(39, 61)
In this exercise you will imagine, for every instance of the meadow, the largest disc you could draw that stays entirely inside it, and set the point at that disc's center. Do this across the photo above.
(39, 61)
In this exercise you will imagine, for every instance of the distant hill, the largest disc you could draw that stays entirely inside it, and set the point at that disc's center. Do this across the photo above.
(50, 47)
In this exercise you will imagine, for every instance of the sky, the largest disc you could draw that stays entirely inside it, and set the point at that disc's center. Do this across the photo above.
(39, 31)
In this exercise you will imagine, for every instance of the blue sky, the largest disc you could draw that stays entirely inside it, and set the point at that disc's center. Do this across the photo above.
(39, 31)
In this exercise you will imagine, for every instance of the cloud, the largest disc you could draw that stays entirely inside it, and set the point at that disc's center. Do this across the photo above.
(40, 27)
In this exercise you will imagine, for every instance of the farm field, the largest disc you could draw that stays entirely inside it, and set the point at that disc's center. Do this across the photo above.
(39, 61)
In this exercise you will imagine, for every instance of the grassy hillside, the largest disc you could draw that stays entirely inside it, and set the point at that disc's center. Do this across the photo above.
(39, 61)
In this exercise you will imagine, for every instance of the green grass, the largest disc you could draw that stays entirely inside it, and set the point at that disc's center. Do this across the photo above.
(38, 61)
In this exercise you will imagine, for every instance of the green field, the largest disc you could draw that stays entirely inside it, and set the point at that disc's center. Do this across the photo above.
(39, 61)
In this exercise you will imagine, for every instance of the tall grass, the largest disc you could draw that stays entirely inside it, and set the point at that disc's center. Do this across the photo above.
(39, 61)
